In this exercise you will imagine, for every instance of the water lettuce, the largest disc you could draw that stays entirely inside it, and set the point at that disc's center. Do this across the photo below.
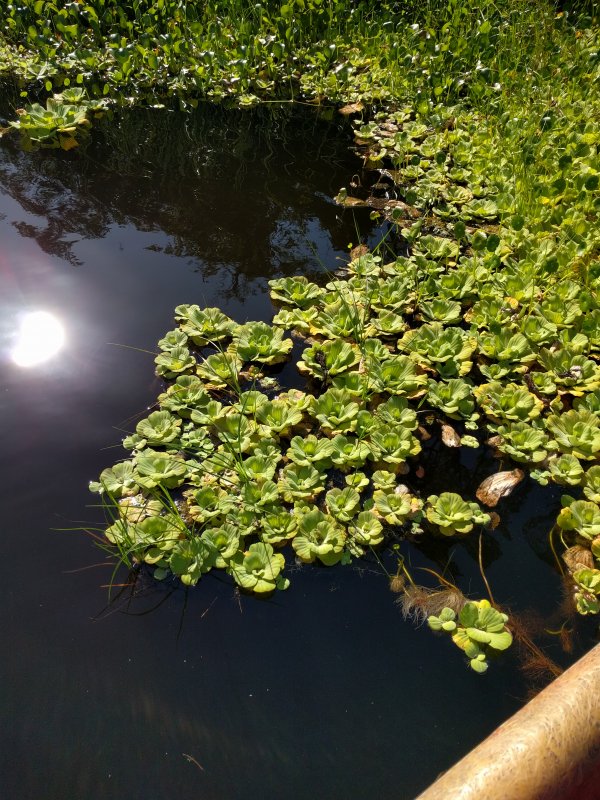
(329, 358)
(477, 629)
(171, 363)
(319, 537)
(257, 341)
(204, 325)
(342, 503)
(451, 515)
(581, 516)
(576, 432)
(159, 469)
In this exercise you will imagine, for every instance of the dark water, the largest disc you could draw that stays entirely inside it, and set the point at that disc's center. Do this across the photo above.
(321, 691)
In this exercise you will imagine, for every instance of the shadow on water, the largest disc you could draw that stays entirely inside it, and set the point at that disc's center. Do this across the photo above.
(321, 689)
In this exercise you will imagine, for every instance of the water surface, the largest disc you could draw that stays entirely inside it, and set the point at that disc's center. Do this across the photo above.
(322, 690)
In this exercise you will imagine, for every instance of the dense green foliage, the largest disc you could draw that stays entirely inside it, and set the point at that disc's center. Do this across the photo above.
(488, 53)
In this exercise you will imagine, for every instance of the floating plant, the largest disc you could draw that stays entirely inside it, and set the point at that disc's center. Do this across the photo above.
(253, 468)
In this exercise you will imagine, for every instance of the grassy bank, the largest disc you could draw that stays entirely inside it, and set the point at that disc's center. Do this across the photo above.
(488, 54)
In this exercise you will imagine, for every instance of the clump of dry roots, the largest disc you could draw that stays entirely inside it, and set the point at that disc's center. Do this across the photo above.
(418, 602)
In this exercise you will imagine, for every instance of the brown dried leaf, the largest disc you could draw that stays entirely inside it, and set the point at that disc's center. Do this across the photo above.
(492, 489)
(351, 108)
(358, 251)
(578, 557)
(423, 433)
(350, 202)
(420, 472)
(494, 521)
(449, 436)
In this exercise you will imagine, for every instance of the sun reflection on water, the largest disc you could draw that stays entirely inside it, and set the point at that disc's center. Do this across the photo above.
(40, 337)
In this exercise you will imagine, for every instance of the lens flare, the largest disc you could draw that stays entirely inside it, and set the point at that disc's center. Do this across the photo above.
(40, 337)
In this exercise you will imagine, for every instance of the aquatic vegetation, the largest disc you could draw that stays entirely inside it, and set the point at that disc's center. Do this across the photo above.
(173, 362)
(258, 468)
(329, 358)
(279, 416)
(320, 537)
(398, 375)
(307, 450)
(207, 503)
(366, 531)
(565, 470)
(507, 401)
(342, 503)
(394, 412)
(236, 431)
(591, 484)
(159, 428)
(63, 123)
(447, 312)
(570, 372)
(151, 539)
(395, 507)
(336, 411)
(587, 594)
(204, 325)
(258, 569)
(300, 483)
(257, 341)
(172, 339)
(447, 350)
(154, 469)
(117, 481)
(278, 527)
(220, 370)
(581, 516)
(453, 397)
(576, 432)
(391, 447)
(297, 291)
(524, 443)
(225, 541)
(478, 629)
(184, 395)
(192, 558)
(348, 453)
(451, 515)
(384, 479)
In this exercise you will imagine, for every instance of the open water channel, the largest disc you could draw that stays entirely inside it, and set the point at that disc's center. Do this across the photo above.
(322, 690)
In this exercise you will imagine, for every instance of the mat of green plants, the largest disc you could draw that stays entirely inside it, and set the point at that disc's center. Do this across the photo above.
(478, 127)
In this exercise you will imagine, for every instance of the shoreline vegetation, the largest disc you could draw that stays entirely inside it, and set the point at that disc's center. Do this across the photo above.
(481, 122)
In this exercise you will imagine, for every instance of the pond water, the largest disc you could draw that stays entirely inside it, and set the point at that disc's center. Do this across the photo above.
(320, 690)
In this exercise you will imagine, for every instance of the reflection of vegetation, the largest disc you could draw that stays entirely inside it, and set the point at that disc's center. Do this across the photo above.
(171, 172)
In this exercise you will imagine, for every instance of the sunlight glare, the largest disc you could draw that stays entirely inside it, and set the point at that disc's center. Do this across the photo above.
(40, 337)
